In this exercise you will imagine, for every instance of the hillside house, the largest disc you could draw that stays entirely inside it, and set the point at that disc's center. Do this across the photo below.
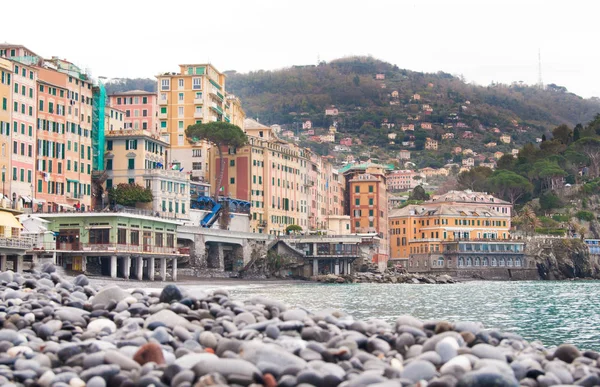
(496, 130)
(310, 132)
(332, 129)
(497, 155)
(315, 138)
(467, 135)
(505, 138)
(392, 136)
(404, 154)
(287, 133)
(431, 144)
(430, 172)
(426, 125)
(490, 145)
(538, 140)
(331, 111)
(347, 141)
(405, 127)
(350, 158)
(425, 106)
(416, 97)
(395, 94)
(408, 144)
(358, 141)
(514, 152)
(328, 138)
(461, 125)
(456, 150)
(341, 148)
(447, 136)
(489, 165)
(307, 125)
(380, 77)
(469, 162)
(468, 152)
(395, 102)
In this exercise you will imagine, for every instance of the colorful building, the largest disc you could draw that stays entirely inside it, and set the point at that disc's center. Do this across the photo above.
(137, 157)
(196, 94)
(403, 180)
(140, 108)
(6, 76)
(366, 202)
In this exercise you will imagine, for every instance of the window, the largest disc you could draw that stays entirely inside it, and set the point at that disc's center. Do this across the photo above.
(122, 236)
(370, 188)
(99, 236)
(109, 145)
(131, 164)
(171, 240)
(232, 180)
(357, 202)
(144, 100)
(180, 139)
(370, 201)
(158, 239)
(232, 163)
(197, 83)
(134, 238)
(109, 164)
(180, 111)
(180, 83)
(165, 84)
(197, 166)
(356, 189)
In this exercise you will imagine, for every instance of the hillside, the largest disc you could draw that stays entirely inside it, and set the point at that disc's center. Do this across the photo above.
(293, 95)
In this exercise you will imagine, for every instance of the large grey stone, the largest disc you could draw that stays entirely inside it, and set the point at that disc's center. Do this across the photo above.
(257, 352)
(419, 370)
(169, 318)
(109, 293)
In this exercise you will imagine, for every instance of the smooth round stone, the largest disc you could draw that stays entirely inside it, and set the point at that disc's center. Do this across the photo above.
(244, 317)
(123, 361)
(182, 333)
(419, 370)
(272, 331)
(486, 351)
(468, 326)
(170, 293)
(76, 382)
(109, 293)
(409, 321)
(96, 381)
(294, 314)
(477, 379)
(309, 355)
(447, 348)
(375, 344)
(567, 353)
(106, 371)
(414, 351)
(24, 364)
(183, 376)
(460, 362)
(81, 280)
(7, 276)
(161, 335)
(101, 324)
(404, 342)
(12, 336)
(208, 340)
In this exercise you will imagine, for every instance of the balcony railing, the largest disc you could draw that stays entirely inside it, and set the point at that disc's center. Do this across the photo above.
(115, 247)
(162, 101)
(16, 243)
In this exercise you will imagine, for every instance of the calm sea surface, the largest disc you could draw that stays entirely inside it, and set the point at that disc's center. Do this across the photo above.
(551, 312)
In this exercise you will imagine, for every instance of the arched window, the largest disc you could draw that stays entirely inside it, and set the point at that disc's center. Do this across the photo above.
(469, 261)
(461, 261)
(494, 261)
(477, 261)
(440, 262)
(509, 262)
(501, 262)
(485, 261)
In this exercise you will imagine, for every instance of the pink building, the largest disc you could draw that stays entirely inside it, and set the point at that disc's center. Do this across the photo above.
(140, 107)
(402, 180)
(307, 124)
(332, 111)
(346, 141)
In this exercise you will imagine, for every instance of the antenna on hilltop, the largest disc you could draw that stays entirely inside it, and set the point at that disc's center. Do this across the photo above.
(318, 59)
(540, 82)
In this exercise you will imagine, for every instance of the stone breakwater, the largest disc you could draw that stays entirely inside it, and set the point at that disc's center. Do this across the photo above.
(384, 278)
(68, 333)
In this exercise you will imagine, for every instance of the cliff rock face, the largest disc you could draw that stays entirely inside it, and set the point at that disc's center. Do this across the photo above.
(558, 259)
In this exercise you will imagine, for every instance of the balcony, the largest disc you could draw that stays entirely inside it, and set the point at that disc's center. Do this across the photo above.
(16, 243)
(198, 101)
(198, 114)
(425, 240)
(162, 115)
(163, 102)
(73, 195)
(262, 224)
(217, 108)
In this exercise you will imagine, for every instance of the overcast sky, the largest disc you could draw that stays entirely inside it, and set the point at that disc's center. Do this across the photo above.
(483, 40)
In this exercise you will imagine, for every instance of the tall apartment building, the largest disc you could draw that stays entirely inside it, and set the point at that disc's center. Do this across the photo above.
(6, 77)
(64, 154)
(140, 108)
(402, 180)
(194, 95)
(23, 134)
(367, 204)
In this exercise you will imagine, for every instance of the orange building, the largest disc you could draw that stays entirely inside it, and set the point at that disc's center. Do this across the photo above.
(367, 204)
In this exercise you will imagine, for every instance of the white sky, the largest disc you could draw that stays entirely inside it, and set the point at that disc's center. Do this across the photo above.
(485, 40)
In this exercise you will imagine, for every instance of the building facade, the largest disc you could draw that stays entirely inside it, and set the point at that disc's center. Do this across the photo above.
(402, 180)
(6, 76)
(140, 108)
(367, 204)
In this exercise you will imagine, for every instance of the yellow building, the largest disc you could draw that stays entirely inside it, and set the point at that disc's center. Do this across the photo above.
(196, 94)
(5, 123)
(233, 111)
(137, 156)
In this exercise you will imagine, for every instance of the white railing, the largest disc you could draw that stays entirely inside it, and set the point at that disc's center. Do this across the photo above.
(16, 243)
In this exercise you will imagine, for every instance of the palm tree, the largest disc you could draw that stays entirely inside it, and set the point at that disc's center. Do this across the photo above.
(528, 220)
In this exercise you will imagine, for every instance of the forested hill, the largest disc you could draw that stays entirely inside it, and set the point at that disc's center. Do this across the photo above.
(304, 92)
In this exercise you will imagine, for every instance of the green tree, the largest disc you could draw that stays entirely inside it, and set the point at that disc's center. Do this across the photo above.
(507, 162)
(509, 185)
(129, 194)
(356, 80)
(293, 229)
(549, 201)
(527, 220)
(590, 147)
(418, 193)
(475, 178)
(563, 133)
(219, 134)
(577, 132)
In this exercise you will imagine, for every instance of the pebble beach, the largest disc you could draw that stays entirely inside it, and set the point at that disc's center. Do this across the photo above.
(70, 332)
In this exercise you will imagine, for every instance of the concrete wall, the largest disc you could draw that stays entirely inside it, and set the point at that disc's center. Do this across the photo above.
(495, 273)
(239, 222)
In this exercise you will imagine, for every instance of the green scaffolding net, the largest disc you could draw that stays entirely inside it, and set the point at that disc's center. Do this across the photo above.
(98, 115)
